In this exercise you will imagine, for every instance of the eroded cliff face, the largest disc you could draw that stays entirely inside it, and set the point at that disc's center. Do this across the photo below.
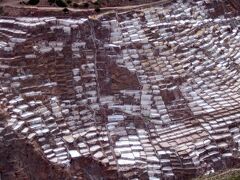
(24, 159)
(21, 160)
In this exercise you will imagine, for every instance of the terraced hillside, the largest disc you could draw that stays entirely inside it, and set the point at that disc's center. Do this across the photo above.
(150, 93)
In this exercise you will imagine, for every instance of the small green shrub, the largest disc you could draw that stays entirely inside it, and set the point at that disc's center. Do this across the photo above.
(51, 2)
(69, 1)
(1, 11)
(97, 10)
(61, 3)
(97, 2)
(65, 10)
(85, 5)
(33, 2)
(75, 5)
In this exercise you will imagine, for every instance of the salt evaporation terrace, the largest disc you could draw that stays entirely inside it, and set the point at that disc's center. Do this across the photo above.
(150, 93)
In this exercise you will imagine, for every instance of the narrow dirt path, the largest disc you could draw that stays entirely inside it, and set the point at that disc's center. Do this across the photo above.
(14, 6)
